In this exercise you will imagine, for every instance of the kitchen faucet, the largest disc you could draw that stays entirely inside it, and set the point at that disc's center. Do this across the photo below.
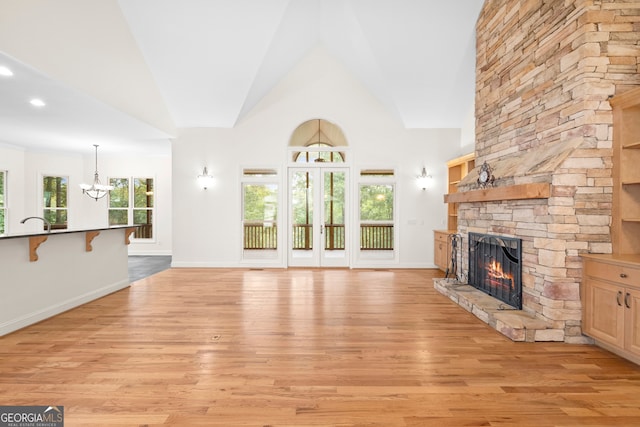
(40, 218)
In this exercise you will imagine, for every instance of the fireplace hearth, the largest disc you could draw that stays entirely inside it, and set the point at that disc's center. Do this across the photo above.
(495, 267)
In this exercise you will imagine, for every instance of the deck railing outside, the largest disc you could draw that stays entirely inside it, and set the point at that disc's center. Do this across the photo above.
(265, 236)
(376, 237)
(144, 231)
(260, 235)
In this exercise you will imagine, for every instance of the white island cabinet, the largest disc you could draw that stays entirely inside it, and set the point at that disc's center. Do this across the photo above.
(44, 274)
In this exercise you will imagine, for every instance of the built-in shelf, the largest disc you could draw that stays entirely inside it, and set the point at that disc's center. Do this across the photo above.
(457, 169)
(634, 145)
(630, 219)
(539, 190)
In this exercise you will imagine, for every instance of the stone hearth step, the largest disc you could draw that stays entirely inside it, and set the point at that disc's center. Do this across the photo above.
(517, 325)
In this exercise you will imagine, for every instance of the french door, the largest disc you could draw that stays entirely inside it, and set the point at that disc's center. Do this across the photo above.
(318, 212)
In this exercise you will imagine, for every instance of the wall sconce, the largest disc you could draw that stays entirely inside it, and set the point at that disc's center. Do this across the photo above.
(424, 180)
(205, 180)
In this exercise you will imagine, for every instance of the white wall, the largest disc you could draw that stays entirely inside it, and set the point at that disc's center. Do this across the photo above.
(12, 160)
(468, 133)
(207, 223)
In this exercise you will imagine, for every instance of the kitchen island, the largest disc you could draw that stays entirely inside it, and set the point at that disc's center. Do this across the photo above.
(43, 274)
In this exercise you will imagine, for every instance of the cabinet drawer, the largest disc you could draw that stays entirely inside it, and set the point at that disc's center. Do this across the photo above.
(441, 236)
(614, 273)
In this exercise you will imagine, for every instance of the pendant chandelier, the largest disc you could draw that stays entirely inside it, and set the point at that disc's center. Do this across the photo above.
(96, 190)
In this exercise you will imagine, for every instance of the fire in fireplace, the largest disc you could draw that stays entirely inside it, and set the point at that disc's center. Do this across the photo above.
(495, 267)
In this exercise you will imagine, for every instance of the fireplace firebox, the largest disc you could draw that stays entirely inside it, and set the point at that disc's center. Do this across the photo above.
(495, 267)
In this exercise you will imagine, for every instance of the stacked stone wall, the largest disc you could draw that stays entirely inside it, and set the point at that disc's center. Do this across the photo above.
(544, 73)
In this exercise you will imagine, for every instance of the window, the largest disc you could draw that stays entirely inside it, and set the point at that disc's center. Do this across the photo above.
(260, 216)
(259, 209)
(54, 193)
(131, 202)
(119, 201)
(3, 202)
(321, 155)
(376, 216)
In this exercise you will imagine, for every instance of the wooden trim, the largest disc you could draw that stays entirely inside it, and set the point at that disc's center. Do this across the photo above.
(34, 243)
(461, 159)
(538, 190)
(88, 238)
(127, 233)
(625, 99)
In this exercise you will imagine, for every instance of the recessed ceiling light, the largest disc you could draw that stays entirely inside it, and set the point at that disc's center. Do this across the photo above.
(5, 72)
(37, 102)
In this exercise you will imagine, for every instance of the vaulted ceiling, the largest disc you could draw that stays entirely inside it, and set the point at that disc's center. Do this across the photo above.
(132, 71)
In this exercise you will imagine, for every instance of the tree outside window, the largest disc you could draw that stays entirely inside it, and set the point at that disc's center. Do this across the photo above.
(143, 207)
(376, 216)
(260, 216)
(54, 192)
(119, 201)
(131, 202)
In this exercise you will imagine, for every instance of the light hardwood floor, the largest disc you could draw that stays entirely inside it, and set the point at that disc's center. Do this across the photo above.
(226, 347)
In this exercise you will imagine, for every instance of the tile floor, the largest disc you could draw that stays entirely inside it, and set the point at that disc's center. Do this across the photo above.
(144, 266)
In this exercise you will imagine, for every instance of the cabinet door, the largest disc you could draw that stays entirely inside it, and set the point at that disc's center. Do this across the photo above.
(604, 312)
(632, 321)
(440, 251)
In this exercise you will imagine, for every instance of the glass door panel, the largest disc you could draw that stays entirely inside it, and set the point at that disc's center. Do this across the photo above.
(318, 233)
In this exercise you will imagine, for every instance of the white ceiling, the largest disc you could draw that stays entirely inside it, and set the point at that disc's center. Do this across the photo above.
(209, 62)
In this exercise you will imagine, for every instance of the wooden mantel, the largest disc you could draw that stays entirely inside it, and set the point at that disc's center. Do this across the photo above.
(538, 190)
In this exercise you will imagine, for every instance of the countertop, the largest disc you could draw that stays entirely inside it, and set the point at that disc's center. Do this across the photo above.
(67, 231)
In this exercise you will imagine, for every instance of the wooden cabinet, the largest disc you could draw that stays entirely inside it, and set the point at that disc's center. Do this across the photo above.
(457, 169)
(442, 250)
(611, 283)
(625, 227)
(611, 303)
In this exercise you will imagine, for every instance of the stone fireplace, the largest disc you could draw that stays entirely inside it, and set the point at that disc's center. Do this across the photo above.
(544, 73)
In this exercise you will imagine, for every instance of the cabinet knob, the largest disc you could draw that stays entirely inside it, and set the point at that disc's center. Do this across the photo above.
(623, 275)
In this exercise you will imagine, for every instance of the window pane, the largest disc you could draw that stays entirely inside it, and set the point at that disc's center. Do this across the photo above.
(376, 203)
(260, 216)
(334, 197)
(302, 210)
(318, 156)
(142, 192)
(259, 172)
(2, 189)
(55, 191)
(119, 196)
(385, 173)
(57, 218)
(260, 202)
(2, 201)
(118, 217)
(143, 218)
